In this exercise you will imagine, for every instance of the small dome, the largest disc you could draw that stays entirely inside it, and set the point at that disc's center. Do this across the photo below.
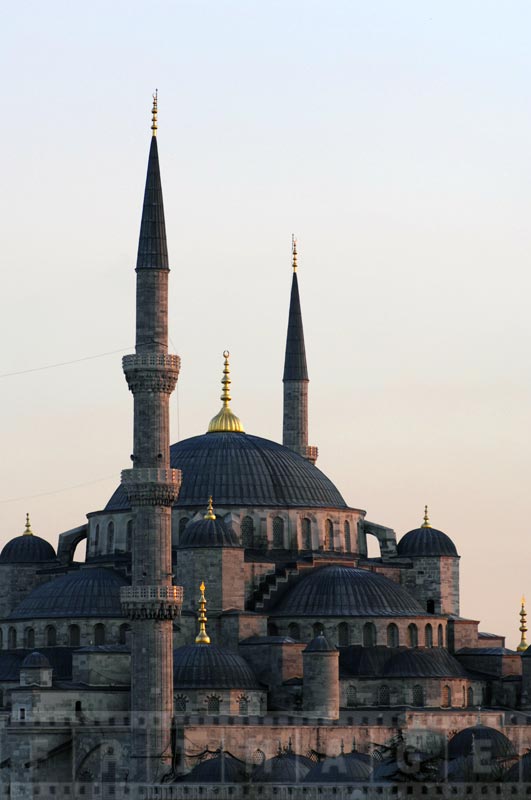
(424, 662)
(203, 666)
(521, 771)
(338, 591)
(221, 768)
(342, 769)
(462, 743)
(35, 660)
(425, 541)
(320, 645)
(284, 768)
(27, 549)
(88, 592)
(208, 532)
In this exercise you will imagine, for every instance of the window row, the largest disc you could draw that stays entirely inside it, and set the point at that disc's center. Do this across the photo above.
(103, 539)
(213, 704)
(99, 636)
(369, 634)
(383, 696)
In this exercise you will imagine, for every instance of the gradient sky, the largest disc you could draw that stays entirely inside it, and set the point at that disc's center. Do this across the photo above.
(392, 137)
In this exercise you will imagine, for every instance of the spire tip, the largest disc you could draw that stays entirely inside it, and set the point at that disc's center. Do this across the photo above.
(426, 523)
(202, 637)
(154, 112)
(294, 252)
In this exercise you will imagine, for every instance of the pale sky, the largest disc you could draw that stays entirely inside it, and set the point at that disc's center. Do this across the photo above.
(392, 138)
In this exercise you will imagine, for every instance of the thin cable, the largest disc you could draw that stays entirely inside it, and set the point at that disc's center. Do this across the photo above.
(58, 491)
(64, 363)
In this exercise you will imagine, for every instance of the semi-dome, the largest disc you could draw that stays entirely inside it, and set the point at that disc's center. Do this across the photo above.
(238, 469)
(35, 660)
(425, 541)
(221, 768)
(462, 744)
(27, 548)
(203, 666)
(339, 591)
(422, 662)
(208, 531)
(88, 592)
(286, 767)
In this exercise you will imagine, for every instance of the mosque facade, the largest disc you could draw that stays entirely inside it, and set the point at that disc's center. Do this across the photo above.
(228, 628)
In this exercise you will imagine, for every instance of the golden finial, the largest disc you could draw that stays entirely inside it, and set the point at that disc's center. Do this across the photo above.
(294, 252)
(523, 628)
(27, 530)
(225, 420)
(210, 510)
(154, 112)
(426, 523)
(202, 637)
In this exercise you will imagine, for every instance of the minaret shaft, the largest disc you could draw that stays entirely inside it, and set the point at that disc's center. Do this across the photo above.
(152, 487)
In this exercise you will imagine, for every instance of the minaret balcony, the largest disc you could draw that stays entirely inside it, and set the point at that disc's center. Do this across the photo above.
(151, 486)
(151, 372)
(152, 602)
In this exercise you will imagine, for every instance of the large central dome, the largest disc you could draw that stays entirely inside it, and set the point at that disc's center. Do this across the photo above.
(242, 470)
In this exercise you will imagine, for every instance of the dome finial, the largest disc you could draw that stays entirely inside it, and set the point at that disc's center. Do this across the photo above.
(225, 420)
(294, 252)
(210, 510)
(27, 529)
(154, 112)
(426, 523)
(523, 628)
(202, 637)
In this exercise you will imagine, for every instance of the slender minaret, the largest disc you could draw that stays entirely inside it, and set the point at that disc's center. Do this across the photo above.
(295, 426)
(152, 487)
(522, 647)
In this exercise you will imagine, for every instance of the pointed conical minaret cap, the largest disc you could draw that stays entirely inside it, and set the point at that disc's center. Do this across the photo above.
(225, 420)
(426, 523)
(27, 529)
(202, 637)
(523, 628)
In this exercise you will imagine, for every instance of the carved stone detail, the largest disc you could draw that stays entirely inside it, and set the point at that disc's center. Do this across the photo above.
(151, 372)
(151, 487)
(152, 602)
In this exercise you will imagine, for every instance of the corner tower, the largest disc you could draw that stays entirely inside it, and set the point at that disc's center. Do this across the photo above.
(295, 418)
(152, 603)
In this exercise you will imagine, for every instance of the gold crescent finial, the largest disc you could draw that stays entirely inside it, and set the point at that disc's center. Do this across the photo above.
(426, 523)
(210, 511)
(294, 252)
(202, 637)
(523, 628)
(154, 112)
(27, 529)
(226, 420)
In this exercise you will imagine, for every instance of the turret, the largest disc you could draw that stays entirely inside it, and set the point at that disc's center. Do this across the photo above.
(320, 683)
(295, 421)
(151, 603)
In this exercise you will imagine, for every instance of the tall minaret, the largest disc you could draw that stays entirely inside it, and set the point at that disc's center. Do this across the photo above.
(152, 487)
(295, 426)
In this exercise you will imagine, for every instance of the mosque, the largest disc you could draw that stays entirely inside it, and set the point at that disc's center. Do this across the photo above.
(228, 628)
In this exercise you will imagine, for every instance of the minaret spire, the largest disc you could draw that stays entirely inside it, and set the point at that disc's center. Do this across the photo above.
(295, 379)
(151, 602)
(523, 628)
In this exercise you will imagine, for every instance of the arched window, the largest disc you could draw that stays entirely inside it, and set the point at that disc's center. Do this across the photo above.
(352, 696)
(342, 634)
(181, 701)
(384, 696)
(243, 703)
(428, 635)
(110, 537)
(272, 629)
(294, 630)
(369, 635)
(318, 629)
(329, 535)
(212, 704)
(74, 636)
(348, 542)
(446, 697)
(393, 639)
(78, 708)
(278, 532)
(464, 696)
(50, 636)
(440, 636)
(99, 633)
(418, 696)
(129, 536)
(1, 638)
(183, 522)
(470, 697)
(247, 530)
(430, 606)
(29, 638)
(96, 538)
(413, 635)
(123, 633)
(306, 534)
